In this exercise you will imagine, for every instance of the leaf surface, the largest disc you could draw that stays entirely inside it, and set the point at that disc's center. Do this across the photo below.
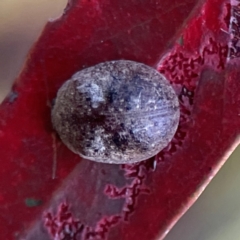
(47, 192)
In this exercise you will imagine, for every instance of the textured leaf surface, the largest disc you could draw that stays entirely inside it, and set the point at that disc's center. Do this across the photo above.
(47, 192)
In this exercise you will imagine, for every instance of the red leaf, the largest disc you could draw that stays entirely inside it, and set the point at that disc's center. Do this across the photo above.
(47, 192)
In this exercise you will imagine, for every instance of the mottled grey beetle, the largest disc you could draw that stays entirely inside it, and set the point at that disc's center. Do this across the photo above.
(116, 112)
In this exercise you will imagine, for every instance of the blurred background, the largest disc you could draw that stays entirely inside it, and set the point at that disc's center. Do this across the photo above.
(21, 22)
(214, 216)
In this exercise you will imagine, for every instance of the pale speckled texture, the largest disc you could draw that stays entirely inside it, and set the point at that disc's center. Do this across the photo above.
(21, 23)
(116, 112)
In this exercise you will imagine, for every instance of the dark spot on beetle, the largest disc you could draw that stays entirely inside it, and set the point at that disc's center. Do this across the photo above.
(131, 132)
(120, 141)
(111, 96)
